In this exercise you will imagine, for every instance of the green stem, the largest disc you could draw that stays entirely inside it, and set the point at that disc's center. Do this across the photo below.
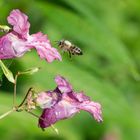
(30, 71)
(25, 97)
(7, 113)
(15, 89)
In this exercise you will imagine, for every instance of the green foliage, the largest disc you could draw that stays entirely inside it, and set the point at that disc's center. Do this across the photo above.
(108, 32)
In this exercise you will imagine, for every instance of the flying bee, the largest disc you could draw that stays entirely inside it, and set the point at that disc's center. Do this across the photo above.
(67, 46)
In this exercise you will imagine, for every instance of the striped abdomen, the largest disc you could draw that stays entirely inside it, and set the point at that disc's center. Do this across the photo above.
(74, 50)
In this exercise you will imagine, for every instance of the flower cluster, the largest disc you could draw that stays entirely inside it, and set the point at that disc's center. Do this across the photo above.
(18, 41)
(58, 104)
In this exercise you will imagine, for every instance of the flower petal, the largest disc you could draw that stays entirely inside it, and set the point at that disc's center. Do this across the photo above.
(12, 46)
(41, 43)
(20, 23)
(79, 97)
(44, 100)
(5, 48)
(63, 84)
(62, 110)
(47, 118)
(93, 108)
(47, 99)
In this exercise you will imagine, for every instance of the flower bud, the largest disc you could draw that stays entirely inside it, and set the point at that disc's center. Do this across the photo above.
(30, 71)
(4, 28)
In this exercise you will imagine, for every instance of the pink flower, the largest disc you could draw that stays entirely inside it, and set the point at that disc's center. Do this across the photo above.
(63, 103)
(17, 42)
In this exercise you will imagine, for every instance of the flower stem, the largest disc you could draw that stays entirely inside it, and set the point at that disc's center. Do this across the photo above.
(15, 89)
(30, 71)
(7, 113)
(30, 90)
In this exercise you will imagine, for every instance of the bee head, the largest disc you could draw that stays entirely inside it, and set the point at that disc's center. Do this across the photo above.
(59, 42)
(63, 43)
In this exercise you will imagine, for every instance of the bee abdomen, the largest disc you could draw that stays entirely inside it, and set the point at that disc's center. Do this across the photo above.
(75, 50)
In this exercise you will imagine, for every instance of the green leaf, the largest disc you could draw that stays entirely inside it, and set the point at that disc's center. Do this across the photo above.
(7, 72)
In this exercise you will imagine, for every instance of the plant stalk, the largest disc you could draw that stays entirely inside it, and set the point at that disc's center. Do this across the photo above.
(7, 113)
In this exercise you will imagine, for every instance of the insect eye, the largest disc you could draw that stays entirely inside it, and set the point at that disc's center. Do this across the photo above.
(60, 43)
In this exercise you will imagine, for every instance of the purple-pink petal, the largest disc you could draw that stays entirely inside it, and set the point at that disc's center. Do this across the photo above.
(62, 84)
(93, 108)
(44, 49)
(9, 46)
(5, 50)
(60, 111)
(47, 99)
(20, 23)
(49, 120)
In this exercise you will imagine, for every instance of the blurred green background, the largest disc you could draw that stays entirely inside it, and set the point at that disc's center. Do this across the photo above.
(108, 32)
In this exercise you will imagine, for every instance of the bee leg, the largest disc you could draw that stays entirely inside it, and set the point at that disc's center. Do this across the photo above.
(69, 54)
(63, 52)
